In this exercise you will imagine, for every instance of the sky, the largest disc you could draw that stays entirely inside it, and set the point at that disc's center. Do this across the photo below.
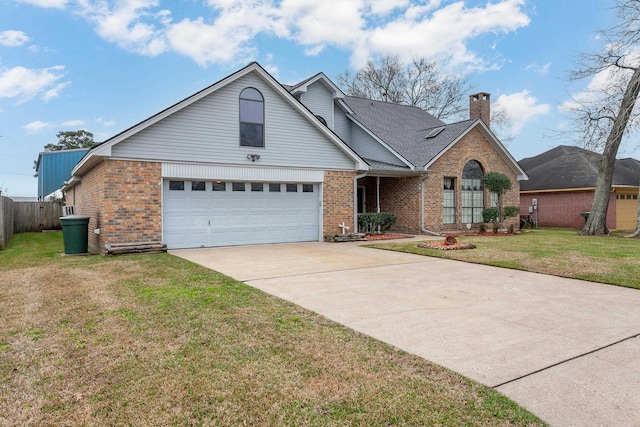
(104, 65)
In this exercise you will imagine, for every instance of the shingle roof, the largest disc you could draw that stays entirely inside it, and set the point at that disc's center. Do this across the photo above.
(385, 166)
(573, 167)
(404, 128)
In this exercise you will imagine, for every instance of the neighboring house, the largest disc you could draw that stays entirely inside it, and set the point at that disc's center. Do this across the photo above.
(54, 167)
(248, 160)
(562, 183)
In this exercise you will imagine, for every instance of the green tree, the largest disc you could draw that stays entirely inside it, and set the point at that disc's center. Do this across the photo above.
(498, 183)
(68, 140)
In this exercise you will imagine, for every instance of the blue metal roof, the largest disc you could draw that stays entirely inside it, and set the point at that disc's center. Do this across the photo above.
(54, 167)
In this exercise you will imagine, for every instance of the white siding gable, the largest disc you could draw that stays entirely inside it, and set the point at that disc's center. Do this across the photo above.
(207, 131)
(319, 99)
(342, 125)
(367, 147)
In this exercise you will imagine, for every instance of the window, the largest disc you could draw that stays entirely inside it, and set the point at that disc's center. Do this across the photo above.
(635, 197)
(472, 192)
(176, 185)
(292, 188)
(257, 186)
(197, 186)
(237, 186)
(219, 186)
(251, 118)
(322, 120)
(307, 188)
(274, 188)
(449, 202)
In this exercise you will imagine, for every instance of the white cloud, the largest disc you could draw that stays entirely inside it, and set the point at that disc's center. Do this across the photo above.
(125, 24)
(444, 33)
(522, 108)
(25, 83)
(604, 88)
(54, 4)
(367, 28)
(541, 70)
(207, 43)
(13, 38)
(37, 126)
(74, 123)
(104, 122)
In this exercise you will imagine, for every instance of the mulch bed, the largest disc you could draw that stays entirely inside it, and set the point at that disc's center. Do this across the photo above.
(450, 243)
(441, 246)
(387, 236)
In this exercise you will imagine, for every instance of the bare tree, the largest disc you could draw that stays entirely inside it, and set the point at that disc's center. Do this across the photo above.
(607, 112)
(419, 84)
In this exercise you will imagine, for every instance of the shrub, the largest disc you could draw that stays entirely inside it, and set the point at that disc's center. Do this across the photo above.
(482, 228)
(369, 222)
(490, 214)
(495, 227)
(510, 211)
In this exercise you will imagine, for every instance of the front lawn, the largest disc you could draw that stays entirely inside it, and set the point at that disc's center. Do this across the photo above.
(612, 260)
(156, 340)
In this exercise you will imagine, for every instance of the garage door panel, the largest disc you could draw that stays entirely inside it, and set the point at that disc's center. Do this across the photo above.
(222, 218)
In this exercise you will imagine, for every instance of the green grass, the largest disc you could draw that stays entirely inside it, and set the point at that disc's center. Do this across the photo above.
(156, 340)
(611, 260)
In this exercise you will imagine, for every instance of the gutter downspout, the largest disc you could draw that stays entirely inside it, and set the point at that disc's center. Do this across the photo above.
(355, 198)
(424, 230)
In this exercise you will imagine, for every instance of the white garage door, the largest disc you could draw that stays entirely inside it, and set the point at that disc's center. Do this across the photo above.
(214, 213)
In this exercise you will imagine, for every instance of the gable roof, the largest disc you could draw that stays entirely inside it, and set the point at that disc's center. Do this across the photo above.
(566, 167)
(399, 126)
(418, 136)
(100, 151)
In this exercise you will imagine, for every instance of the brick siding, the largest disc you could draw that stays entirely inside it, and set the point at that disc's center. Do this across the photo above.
(562, 208)
(338, 202)
(402, 195)
(474, 146)
(123, 200)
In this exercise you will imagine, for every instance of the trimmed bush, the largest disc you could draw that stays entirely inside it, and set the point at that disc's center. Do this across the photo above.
(490, 215)
(369, 222)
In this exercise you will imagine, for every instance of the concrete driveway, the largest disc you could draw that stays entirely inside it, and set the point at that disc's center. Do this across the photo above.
(567, 350)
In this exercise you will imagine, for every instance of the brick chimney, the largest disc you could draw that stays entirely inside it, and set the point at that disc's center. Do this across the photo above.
(480, 107)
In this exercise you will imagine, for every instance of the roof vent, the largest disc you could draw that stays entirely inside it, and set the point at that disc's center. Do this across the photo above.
(434, 132)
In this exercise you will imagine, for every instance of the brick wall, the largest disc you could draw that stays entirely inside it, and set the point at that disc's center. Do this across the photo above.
(88, 199)
(562, 208)
(473, 146)
(401, 196)
(338, 201)
(123, 200)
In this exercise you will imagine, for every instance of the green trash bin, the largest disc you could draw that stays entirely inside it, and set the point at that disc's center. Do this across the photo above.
(75, 234)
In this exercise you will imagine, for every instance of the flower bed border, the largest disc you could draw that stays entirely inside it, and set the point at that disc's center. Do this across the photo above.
(444, 247)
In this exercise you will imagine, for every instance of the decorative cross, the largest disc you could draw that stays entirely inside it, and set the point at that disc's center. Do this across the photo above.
(344, 227)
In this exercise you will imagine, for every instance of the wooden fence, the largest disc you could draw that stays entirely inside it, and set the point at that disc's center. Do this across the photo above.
(6, 221)
(23, 217)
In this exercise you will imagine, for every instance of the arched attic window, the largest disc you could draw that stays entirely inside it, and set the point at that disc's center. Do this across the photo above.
(472, 192)
(251, 118)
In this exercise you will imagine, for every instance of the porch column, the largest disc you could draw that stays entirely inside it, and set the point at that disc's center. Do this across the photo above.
(378, 194)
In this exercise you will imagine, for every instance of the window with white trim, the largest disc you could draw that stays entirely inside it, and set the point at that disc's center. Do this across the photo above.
(251, 118)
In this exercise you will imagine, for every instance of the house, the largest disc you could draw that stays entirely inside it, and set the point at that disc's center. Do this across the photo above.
(248, 160)
(562, 183)
(53, 168)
